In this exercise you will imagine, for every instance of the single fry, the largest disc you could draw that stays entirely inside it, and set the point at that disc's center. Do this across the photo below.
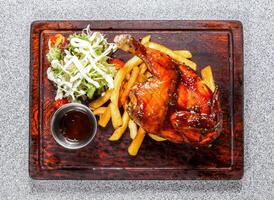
(101, 100)
(118, 80)
(116, 118)
(183, 53)
(156, 137)
(134, 61)
(136, 143)
(115, 113)
(132, 129)
(99, 111)
(127, 77)
(146, 39)
(143, 68)
(130, 83)
(119, 131)
(148, 74)
(105, 117)
(141, 78)
(173, 55)
(208, 77)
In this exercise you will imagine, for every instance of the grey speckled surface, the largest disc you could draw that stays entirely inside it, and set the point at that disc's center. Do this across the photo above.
(258, 21)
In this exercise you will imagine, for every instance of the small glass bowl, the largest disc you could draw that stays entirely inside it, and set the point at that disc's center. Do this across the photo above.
(58, 136)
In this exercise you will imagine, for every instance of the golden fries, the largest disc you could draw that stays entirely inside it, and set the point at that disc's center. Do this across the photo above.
(136, 143)
(145, 39)
(99, 111)
(119, 131)
(127, 77)
(130, 83)
(208, 77)
(117, 85)
(134, 61)
(141, 77)
(115, 112)
(132, 129)
(156, 137)
(116, 118)
(173, 55)
(183, 53)
(101, 100)
(143, 68)
(148, 75)
(104, 117)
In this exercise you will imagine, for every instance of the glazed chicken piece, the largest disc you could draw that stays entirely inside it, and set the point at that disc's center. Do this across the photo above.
(198, 115)
(174, 103)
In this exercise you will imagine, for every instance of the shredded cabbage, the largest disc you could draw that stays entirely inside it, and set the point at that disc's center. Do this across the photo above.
(81, 68)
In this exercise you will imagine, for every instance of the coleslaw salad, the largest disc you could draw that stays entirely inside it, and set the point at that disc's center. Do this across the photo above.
(80, 69)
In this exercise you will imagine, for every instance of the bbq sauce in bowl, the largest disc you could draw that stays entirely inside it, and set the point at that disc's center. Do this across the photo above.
(75, 126)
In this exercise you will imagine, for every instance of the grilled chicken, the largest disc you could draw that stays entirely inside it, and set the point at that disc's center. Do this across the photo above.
(174, 103)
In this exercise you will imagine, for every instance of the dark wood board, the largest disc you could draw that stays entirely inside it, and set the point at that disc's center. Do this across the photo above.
(218, 43)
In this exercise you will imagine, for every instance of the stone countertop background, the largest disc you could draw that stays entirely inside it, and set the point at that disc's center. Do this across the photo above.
(258, 22)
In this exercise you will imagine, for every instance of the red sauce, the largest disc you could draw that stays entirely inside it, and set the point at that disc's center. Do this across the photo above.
(75, 125)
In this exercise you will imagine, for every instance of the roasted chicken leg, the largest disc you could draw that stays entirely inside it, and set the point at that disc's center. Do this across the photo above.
(174, 103)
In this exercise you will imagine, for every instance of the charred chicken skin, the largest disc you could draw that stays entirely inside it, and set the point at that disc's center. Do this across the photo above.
(174, 103)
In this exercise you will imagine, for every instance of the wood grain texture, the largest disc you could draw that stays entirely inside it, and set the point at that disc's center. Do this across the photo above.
(218, 43)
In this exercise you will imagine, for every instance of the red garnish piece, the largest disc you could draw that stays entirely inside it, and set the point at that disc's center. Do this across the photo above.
(58, 103)
(57, 40)
(117, 63)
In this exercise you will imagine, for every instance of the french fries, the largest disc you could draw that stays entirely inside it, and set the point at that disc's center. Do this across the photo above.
(132, 129)
(136, 143)
(114, 108)
(208, 77)
(101, 100)
(104, 117)
(141, 77)
(116, 118)
(183, 53)
(143, 68)
(173, 55)
(127, 77)
(146, 39)
(134, 61)
(148, 74)
(156, 137)
(130, 83)
(99, 111)
(119, 131)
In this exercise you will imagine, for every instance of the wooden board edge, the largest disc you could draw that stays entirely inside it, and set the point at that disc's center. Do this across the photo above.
(137, 24)
(238, 107)
(36, 172)
(33, 167)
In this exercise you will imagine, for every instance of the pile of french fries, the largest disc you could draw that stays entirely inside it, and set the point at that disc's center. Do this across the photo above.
(107, 107)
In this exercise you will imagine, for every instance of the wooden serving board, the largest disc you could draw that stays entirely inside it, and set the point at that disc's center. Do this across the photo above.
(218, 43)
